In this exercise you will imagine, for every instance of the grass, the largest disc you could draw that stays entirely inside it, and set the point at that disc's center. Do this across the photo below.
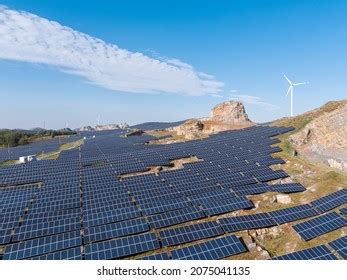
(63, 147)
(8, 162)
(299, 122)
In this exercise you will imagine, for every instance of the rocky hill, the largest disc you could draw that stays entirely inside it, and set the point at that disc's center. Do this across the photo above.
(228, 115)
(102, 127)
(321, 134)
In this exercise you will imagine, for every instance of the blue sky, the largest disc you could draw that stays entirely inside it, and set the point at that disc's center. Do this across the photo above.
(164, 50)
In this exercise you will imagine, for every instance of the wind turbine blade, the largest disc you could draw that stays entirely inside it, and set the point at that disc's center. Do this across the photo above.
(288, 90)
(299, 84)
(284, 75)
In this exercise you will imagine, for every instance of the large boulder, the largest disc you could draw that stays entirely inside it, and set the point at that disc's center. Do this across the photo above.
(230, 112)
(324, 139)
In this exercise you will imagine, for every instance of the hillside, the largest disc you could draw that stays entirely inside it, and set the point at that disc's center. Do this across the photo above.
(320, 135)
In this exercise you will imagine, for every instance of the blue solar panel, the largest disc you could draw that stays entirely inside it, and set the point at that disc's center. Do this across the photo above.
(340, 246)
(41, 246)
(118, 248)
(344, 211)
(330, 201)
(320, 252)
(163, 206)
(69, 254)
(157, 257)
(5, 236)
(294, 213)
(82, 191)
(223, 206)
(189, 233)
(319, 225)
(287, 188)
(175, 217)
(43, 229)
(206, 197)
(237, 223)
(114, 230)
(250, 189)
(115, 215)
(210, 250)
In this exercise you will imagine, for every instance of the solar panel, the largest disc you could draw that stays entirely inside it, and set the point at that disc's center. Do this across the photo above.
(5, 236)
(40, 246)
(261, 220)
(69, 254)
(108, 231)
(110, 204)
(175, 217)
(210, 250)
(115, 215)
(210, 196)
(330, 201)
(118, 248)
(158, 257)
(163, 206)
(250, 189)
(294, 213)
(43, 229)
(319, 225)
(189, 233)
(320, 252)
(223, 206)
(340, 246)
(286, 188)
(344, 211)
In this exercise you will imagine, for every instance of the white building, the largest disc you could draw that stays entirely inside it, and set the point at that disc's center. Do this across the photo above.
(26, 159)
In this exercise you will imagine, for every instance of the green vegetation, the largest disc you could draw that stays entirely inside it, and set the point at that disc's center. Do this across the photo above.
(12, 138)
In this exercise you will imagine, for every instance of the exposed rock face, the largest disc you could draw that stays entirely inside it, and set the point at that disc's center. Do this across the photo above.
(85, 128)
(283, 198)
(229, 112)
(324, 139)
(110, 126)
(228, 115)
(190, 129)
(101, 127)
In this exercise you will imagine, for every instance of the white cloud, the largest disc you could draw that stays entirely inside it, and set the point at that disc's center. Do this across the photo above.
(255, 100)
(217, 95)
(30, 38)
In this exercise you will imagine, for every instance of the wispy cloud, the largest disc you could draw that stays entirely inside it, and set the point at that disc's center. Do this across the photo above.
(30, 38)
(254, 100)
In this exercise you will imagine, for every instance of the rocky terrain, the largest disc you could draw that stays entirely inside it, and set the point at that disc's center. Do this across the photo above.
(102, 127)
(228, 115)
(324, 137)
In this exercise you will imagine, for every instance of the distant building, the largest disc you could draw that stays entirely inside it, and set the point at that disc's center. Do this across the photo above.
(26, 159)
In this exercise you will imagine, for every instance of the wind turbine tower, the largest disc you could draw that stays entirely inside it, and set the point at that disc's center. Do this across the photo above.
(290, 91)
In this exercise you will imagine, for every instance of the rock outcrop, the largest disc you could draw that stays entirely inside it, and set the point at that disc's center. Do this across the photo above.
(324, 139)
(228, 115)
(102, 127)
(230, 112)
(191, 129)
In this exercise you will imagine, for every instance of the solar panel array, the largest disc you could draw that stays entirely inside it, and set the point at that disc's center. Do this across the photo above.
(320, 252)
(184, 234)
(80, 207)
(210, 250)
(319, 225)
(340, 246)
(343, 211)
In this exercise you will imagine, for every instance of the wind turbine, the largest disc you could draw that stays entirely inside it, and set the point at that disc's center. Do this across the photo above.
(290, 90)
